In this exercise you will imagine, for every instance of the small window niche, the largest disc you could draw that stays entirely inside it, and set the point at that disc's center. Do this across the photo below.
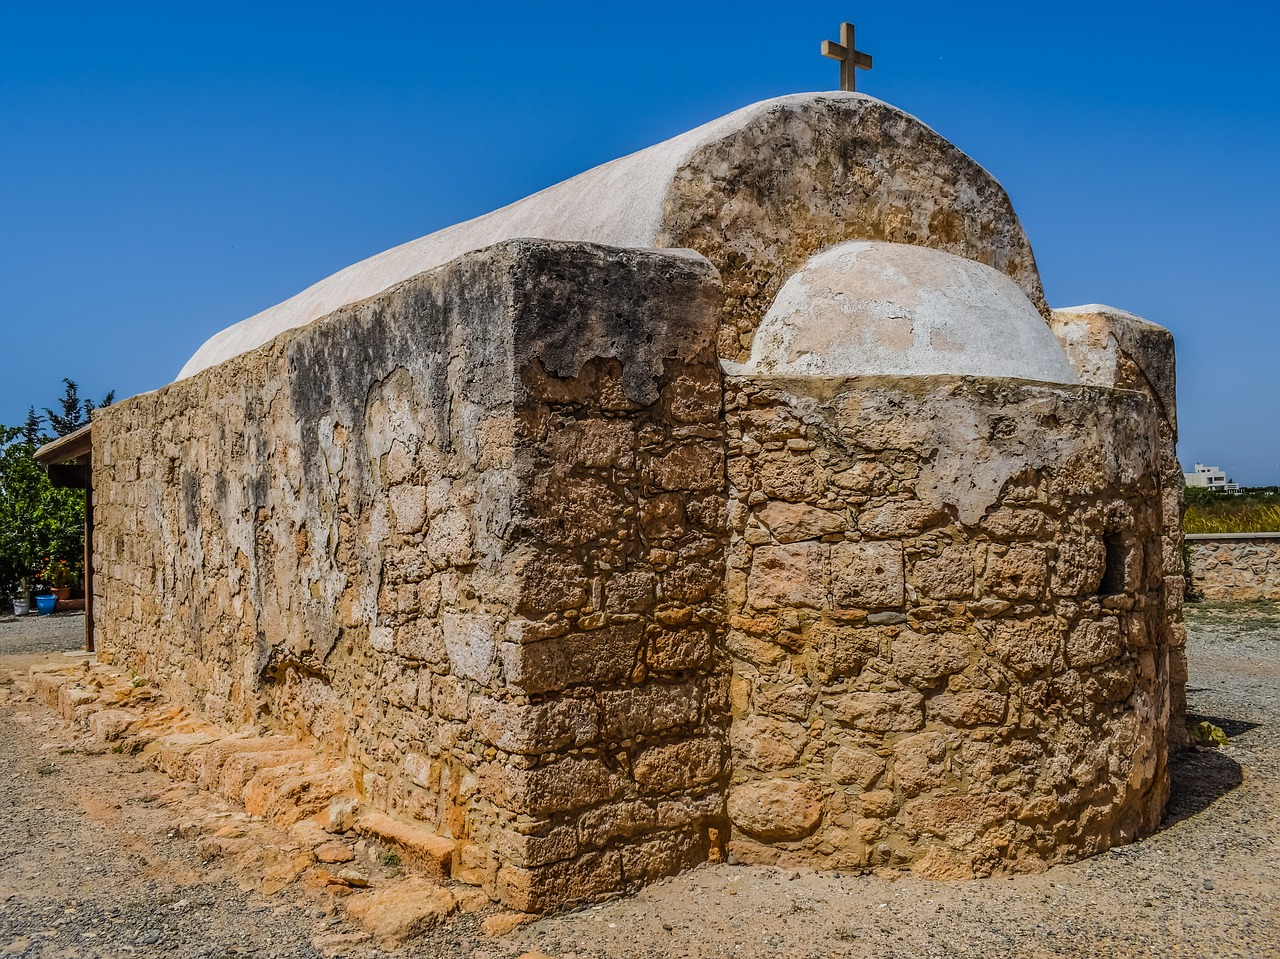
(1122, 571)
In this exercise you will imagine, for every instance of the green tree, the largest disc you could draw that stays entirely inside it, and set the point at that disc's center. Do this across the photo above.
(37, 521)
(73, 412)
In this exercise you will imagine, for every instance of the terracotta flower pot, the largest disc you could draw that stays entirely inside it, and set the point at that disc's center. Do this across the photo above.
(62, 592)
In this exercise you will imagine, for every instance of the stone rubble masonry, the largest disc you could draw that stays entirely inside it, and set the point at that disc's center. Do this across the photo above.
(468, 537)
(1115, 349)
(504, 543)
(1236, 568)
(951, 648)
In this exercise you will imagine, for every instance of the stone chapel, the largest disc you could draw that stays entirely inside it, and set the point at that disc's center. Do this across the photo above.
(742, 495)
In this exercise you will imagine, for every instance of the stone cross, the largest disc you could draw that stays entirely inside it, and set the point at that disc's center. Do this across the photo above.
(850, 59)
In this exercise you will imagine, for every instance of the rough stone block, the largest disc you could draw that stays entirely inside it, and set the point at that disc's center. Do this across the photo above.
(776, 810)
(949, 575)
(1095, 641)
(867, 574)
(1020, 572)
(767, 744)
(649, 709)
(533, 728)
(598, 656)
(880, 712)
(787, 576)
(792, 522)
(558, 787)
(680, 766)
(929, 657)
(420, 848)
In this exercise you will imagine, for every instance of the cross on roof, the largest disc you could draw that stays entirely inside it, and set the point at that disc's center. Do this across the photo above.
(850, 59)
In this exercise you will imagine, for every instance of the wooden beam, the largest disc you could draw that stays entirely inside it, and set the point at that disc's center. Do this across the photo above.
(66, 448)
(88, 570)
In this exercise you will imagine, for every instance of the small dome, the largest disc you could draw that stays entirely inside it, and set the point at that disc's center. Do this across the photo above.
(868, 308)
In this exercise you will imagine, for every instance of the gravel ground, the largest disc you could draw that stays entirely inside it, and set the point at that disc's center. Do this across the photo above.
(88, 867)
(41, 634)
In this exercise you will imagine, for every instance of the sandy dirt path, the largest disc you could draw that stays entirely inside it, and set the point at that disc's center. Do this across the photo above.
(88, 866)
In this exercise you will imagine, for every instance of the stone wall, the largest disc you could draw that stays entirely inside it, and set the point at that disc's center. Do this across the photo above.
(1235, 567)
(947, 622)
(467, 536)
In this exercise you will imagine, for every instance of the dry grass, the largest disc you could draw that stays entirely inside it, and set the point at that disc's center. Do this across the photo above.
(1228, 517)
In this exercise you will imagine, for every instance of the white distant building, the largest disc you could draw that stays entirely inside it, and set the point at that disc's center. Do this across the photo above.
(1211, 477)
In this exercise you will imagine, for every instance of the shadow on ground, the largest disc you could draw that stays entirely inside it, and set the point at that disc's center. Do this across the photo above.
(1201, 776)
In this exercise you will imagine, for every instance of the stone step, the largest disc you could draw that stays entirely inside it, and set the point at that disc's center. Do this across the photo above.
(418, 847)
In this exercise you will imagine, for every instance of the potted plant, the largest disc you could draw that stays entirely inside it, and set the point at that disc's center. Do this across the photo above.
(59, 578)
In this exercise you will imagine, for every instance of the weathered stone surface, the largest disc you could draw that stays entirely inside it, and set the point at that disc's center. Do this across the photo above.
(856, 766)
(1236, 570)
(776, 809)
(949, 575)
(880, 712)
(402, 910)
(1091, 642)
(789, 522)
(929, 657)
(417, 846)
(506, 539)
(787, 576)
(867, 574)
(918, 763)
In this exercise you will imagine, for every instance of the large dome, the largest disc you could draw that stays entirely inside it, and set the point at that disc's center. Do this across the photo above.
(868, 308)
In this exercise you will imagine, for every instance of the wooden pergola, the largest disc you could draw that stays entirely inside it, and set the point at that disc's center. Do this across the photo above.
(69, 462)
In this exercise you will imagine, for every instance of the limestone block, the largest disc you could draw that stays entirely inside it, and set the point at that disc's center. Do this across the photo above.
(1094, 641)
(835, 650)
(471, 641)
(867, 574)
(559, 787)
(791, 522)
(681, 765)
(550, 583)
(1027, 646)
(786, 576)
(918, 763)
(880, 712)
(649, 709)
(1020, 572)
(594, 443)
(788, 476)
(949, 575)
(420, 848)
(929, 657)
(535, 727)
(689, 467)
(975, 707)
(898, 519)
(853, 766)
(403, 910)
(408, 508)
(592, 875)
(630, 592)
(599, 656)
(776, 809)
(767, 744)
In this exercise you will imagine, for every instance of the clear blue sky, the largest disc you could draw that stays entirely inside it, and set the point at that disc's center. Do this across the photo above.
(169, 169)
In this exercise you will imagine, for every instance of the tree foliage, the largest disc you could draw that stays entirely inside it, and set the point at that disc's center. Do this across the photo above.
(37, 521)
(39, 524)
(73, 412)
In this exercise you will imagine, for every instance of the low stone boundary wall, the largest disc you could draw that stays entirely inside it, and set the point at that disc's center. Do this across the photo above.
(1235, 566)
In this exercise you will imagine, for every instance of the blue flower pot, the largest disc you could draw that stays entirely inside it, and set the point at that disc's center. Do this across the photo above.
(46, 604)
